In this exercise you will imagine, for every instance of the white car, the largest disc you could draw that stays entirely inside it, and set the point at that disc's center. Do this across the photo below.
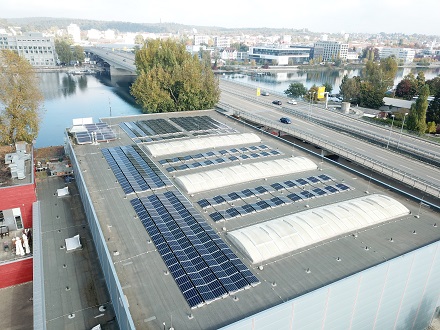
(292, 102)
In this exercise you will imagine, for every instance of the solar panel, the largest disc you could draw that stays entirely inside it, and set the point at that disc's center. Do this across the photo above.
(331, 189)
(294, 197)
(203, 203)
(216, 216)
(312, 179)
(277, 186)
(342, 187)
(324, 177)
(290, 183)
(302, 182)
(202, 265)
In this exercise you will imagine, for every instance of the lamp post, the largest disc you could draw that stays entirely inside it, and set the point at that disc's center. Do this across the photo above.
(389, 136)
(401, 129)
(312, 95)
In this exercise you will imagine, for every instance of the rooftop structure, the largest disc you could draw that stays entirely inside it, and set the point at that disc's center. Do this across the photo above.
(229, 235)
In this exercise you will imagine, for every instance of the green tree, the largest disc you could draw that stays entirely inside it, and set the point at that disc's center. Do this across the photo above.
(432, 127)
(328, 87)
(78, 54)
(63, 51)
(417, 114)
(350, 89)
(20, 99)
(434, 85)
(407, 87)
(170, 79)
(296, 90)
(433, 112)
(312, 94)
(139, 39)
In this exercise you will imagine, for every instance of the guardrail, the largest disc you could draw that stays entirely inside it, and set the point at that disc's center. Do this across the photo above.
(422, 154)
(370, 163)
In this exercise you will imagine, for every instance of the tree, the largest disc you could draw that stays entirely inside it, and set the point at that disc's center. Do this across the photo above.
(312, 94)
(350, 89)
(63, 51)
(433, 112)
(407, 87)
(78, 54)
(138, 39)
(417, 114)
(170, 79)
(20, 99)
(296, 90)
(432, 127)
(328, 87)
(434, 85)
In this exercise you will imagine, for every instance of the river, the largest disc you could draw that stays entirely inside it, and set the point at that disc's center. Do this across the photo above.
(67, 96)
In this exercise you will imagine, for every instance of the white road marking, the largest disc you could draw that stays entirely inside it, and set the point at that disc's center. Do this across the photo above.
(406, 167)
(380, 157)
(341, 141)
(432, 177)
(324, 135)
(360, 149)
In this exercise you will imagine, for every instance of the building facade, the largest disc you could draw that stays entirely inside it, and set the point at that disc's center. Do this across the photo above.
(37, 49)
(404, 54)
(281, 55)
(222, 42)
(330, 50)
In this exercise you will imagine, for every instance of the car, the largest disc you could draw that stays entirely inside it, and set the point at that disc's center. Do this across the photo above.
(265, 93)
(277, 102)
(285, 120)
(292, 102)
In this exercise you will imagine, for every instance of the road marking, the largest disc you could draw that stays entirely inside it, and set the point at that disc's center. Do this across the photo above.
(380, 157)
(324, 135)
(406, 167)
(360, 149)
(341, 141)
(432, 177)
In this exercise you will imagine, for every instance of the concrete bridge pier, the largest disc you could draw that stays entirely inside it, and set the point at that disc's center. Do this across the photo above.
(114, 71)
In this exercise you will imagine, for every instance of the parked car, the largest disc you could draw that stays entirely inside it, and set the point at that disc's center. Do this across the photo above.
(285, 120)
(292, 102)
(264, 93)
(277, 102)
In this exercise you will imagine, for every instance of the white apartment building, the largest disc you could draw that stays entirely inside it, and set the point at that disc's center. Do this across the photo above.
(38, 50)
(200, 39)
(222, 42)
(405, 54)
(330, 50)
(75, 32)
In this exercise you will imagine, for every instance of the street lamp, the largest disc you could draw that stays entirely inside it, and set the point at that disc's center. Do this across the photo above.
(401, 129)
(312, 95)
(389, 136)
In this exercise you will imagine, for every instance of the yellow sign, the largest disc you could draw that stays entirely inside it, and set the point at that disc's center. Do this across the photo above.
(258, 91)
(321, 91)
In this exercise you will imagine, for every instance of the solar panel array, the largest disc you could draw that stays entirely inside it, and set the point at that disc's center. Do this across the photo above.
(198, 123)
(151, 130)
(203, 266)
(134, 171)
(101, 133)
(218, 157)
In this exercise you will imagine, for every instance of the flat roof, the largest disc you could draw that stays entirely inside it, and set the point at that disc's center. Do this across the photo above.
(152, 293)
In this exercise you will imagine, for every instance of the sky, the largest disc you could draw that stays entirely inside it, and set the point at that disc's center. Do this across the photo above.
(339, 16)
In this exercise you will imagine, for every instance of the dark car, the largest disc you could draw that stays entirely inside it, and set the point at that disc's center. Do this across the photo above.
(278, 102)
(285, 120)
(264, 93)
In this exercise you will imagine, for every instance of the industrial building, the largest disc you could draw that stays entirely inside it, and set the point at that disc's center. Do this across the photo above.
(203, 222)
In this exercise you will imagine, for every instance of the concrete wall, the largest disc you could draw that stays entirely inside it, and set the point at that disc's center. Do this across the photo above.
(401, 293)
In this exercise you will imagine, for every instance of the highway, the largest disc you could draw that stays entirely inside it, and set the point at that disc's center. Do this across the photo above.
(404, 143)
(260, 109)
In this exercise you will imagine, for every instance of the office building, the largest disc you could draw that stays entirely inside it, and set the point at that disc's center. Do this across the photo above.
(328, 51)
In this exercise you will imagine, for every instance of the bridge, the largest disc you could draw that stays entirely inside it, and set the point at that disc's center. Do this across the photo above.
(120, 63)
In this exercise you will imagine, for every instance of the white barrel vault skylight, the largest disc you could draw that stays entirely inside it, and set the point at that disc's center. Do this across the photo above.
(273, 238)
(200, 143)
(226, 176)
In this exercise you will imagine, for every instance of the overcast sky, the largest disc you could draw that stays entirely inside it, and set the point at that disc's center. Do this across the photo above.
(318, 15)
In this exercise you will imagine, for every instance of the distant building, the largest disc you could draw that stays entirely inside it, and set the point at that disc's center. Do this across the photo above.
(282, 55)
(222, 42)
(38, 50)
(94, 34)
(330, 50)
(404, 54)
(200, 39)
(228, 54)
(75, 32)
(352, 56)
